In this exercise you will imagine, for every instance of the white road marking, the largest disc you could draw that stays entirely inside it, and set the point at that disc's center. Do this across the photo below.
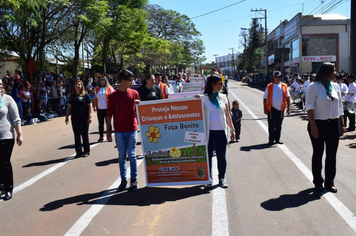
(88, 216)
(45, 173)
(220, 223)
(343, 211)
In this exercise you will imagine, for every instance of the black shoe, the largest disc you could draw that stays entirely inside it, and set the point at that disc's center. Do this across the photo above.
(331, 188)
(350, 129)
(85, 154)
(122, 186)
(319, 188)
(79, 154)
(279, 142)
(270, 143)
(8, 195)
(133, 185)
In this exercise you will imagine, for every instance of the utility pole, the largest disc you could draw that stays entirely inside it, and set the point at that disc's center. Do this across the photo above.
(233, 63)
(245, 42)
(216, 63)
(266, 51)
(353, 38)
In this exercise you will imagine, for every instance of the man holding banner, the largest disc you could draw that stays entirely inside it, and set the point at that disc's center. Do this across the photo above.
(121, 105)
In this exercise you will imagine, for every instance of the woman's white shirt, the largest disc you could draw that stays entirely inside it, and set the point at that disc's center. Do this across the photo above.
(101, 96)
(323, 107)
(216, 120)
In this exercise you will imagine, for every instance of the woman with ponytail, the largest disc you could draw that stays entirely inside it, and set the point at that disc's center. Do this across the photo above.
(217, 121)
(325, 113)
(101, 104)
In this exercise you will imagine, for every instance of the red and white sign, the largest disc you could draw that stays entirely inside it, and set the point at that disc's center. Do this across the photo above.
(318, 58)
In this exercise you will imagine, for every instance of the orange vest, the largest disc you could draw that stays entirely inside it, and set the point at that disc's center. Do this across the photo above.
(269, 99)
(163, 87)
(108, 88)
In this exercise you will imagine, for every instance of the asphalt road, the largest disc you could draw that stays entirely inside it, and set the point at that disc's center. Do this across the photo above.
(270, 190)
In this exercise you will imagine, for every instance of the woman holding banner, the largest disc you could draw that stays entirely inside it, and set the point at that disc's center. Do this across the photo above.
(217, 120)
(148, 90)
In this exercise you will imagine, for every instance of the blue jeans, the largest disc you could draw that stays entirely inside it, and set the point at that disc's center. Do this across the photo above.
(218, 138)
(126, 142)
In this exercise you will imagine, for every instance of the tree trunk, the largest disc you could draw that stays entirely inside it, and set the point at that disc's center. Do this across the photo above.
(76, 60)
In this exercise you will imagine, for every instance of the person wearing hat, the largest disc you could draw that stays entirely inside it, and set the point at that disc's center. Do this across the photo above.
(275, 100)
(343, 87)
(350, 98)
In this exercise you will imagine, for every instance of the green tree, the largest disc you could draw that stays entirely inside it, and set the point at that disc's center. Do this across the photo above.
(28, 27)
(124, 36)
(176, 28)
(254, 49)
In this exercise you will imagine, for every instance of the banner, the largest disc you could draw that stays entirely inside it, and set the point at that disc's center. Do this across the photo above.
(189, 87)
(173, 141)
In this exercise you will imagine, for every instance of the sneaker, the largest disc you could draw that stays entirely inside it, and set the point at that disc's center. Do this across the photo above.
(100, 139)
(209, 185)
(223, 183)
(133, 185)
(122, 186)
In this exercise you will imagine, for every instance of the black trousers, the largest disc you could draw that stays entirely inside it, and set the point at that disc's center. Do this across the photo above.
(101, 113)
(237, 127)
(329, 133)
(275, 119)
(351, 119)
(6, 175)
(81, 131)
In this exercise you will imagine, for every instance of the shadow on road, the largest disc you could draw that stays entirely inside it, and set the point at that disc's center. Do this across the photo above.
(141, 197)
(256, 147)
(291, 200)
(71, 146)
(49, 162)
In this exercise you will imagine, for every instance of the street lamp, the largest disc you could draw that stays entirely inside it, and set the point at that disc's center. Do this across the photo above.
(216, 64)
(244, 34)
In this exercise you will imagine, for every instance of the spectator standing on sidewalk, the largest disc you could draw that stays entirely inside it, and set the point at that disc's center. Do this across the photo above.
(121, 106)
(101, 104)
(9, 119)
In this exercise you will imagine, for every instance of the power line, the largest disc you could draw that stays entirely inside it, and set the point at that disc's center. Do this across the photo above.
(218, 9)
(242, 17)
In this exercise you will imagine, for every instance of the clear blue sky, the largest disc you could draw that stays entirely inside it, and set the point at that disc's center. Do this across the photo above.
(221, 29)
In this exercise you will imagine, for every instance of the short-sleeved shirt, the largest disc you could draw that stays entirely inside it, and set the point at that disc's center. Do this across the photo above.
(80, 106)
(236, 114)
(149, 94)
(323, 107)
(121, 106)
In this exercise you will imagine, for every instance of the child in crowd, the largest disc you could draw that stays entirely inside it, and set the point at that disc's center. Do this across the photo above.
(236, 115)
(40, 112)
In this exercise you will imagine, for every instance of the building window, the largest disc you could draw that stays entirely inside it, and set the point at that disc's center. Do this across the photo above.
(318, 46)
(295, 49)
(287, 55)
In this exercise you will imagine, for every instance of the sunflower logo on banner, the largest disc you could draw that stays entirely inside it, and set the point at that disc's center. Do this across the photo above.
(175, 152)
(153, 134)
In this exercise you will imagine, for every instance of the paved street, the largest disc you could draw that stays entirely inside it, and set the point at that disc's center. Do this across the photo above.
(270, 190)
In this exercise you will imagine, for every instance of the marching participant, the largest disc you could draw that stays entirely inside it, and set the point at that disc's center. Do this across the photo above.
(325, 126)
(350, 98)
(343, 87)
(275, 101)
(306, 84)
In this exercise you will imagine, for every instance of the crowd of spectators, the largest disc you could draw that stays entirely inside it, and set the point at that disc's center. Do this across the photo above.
(52, 98)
